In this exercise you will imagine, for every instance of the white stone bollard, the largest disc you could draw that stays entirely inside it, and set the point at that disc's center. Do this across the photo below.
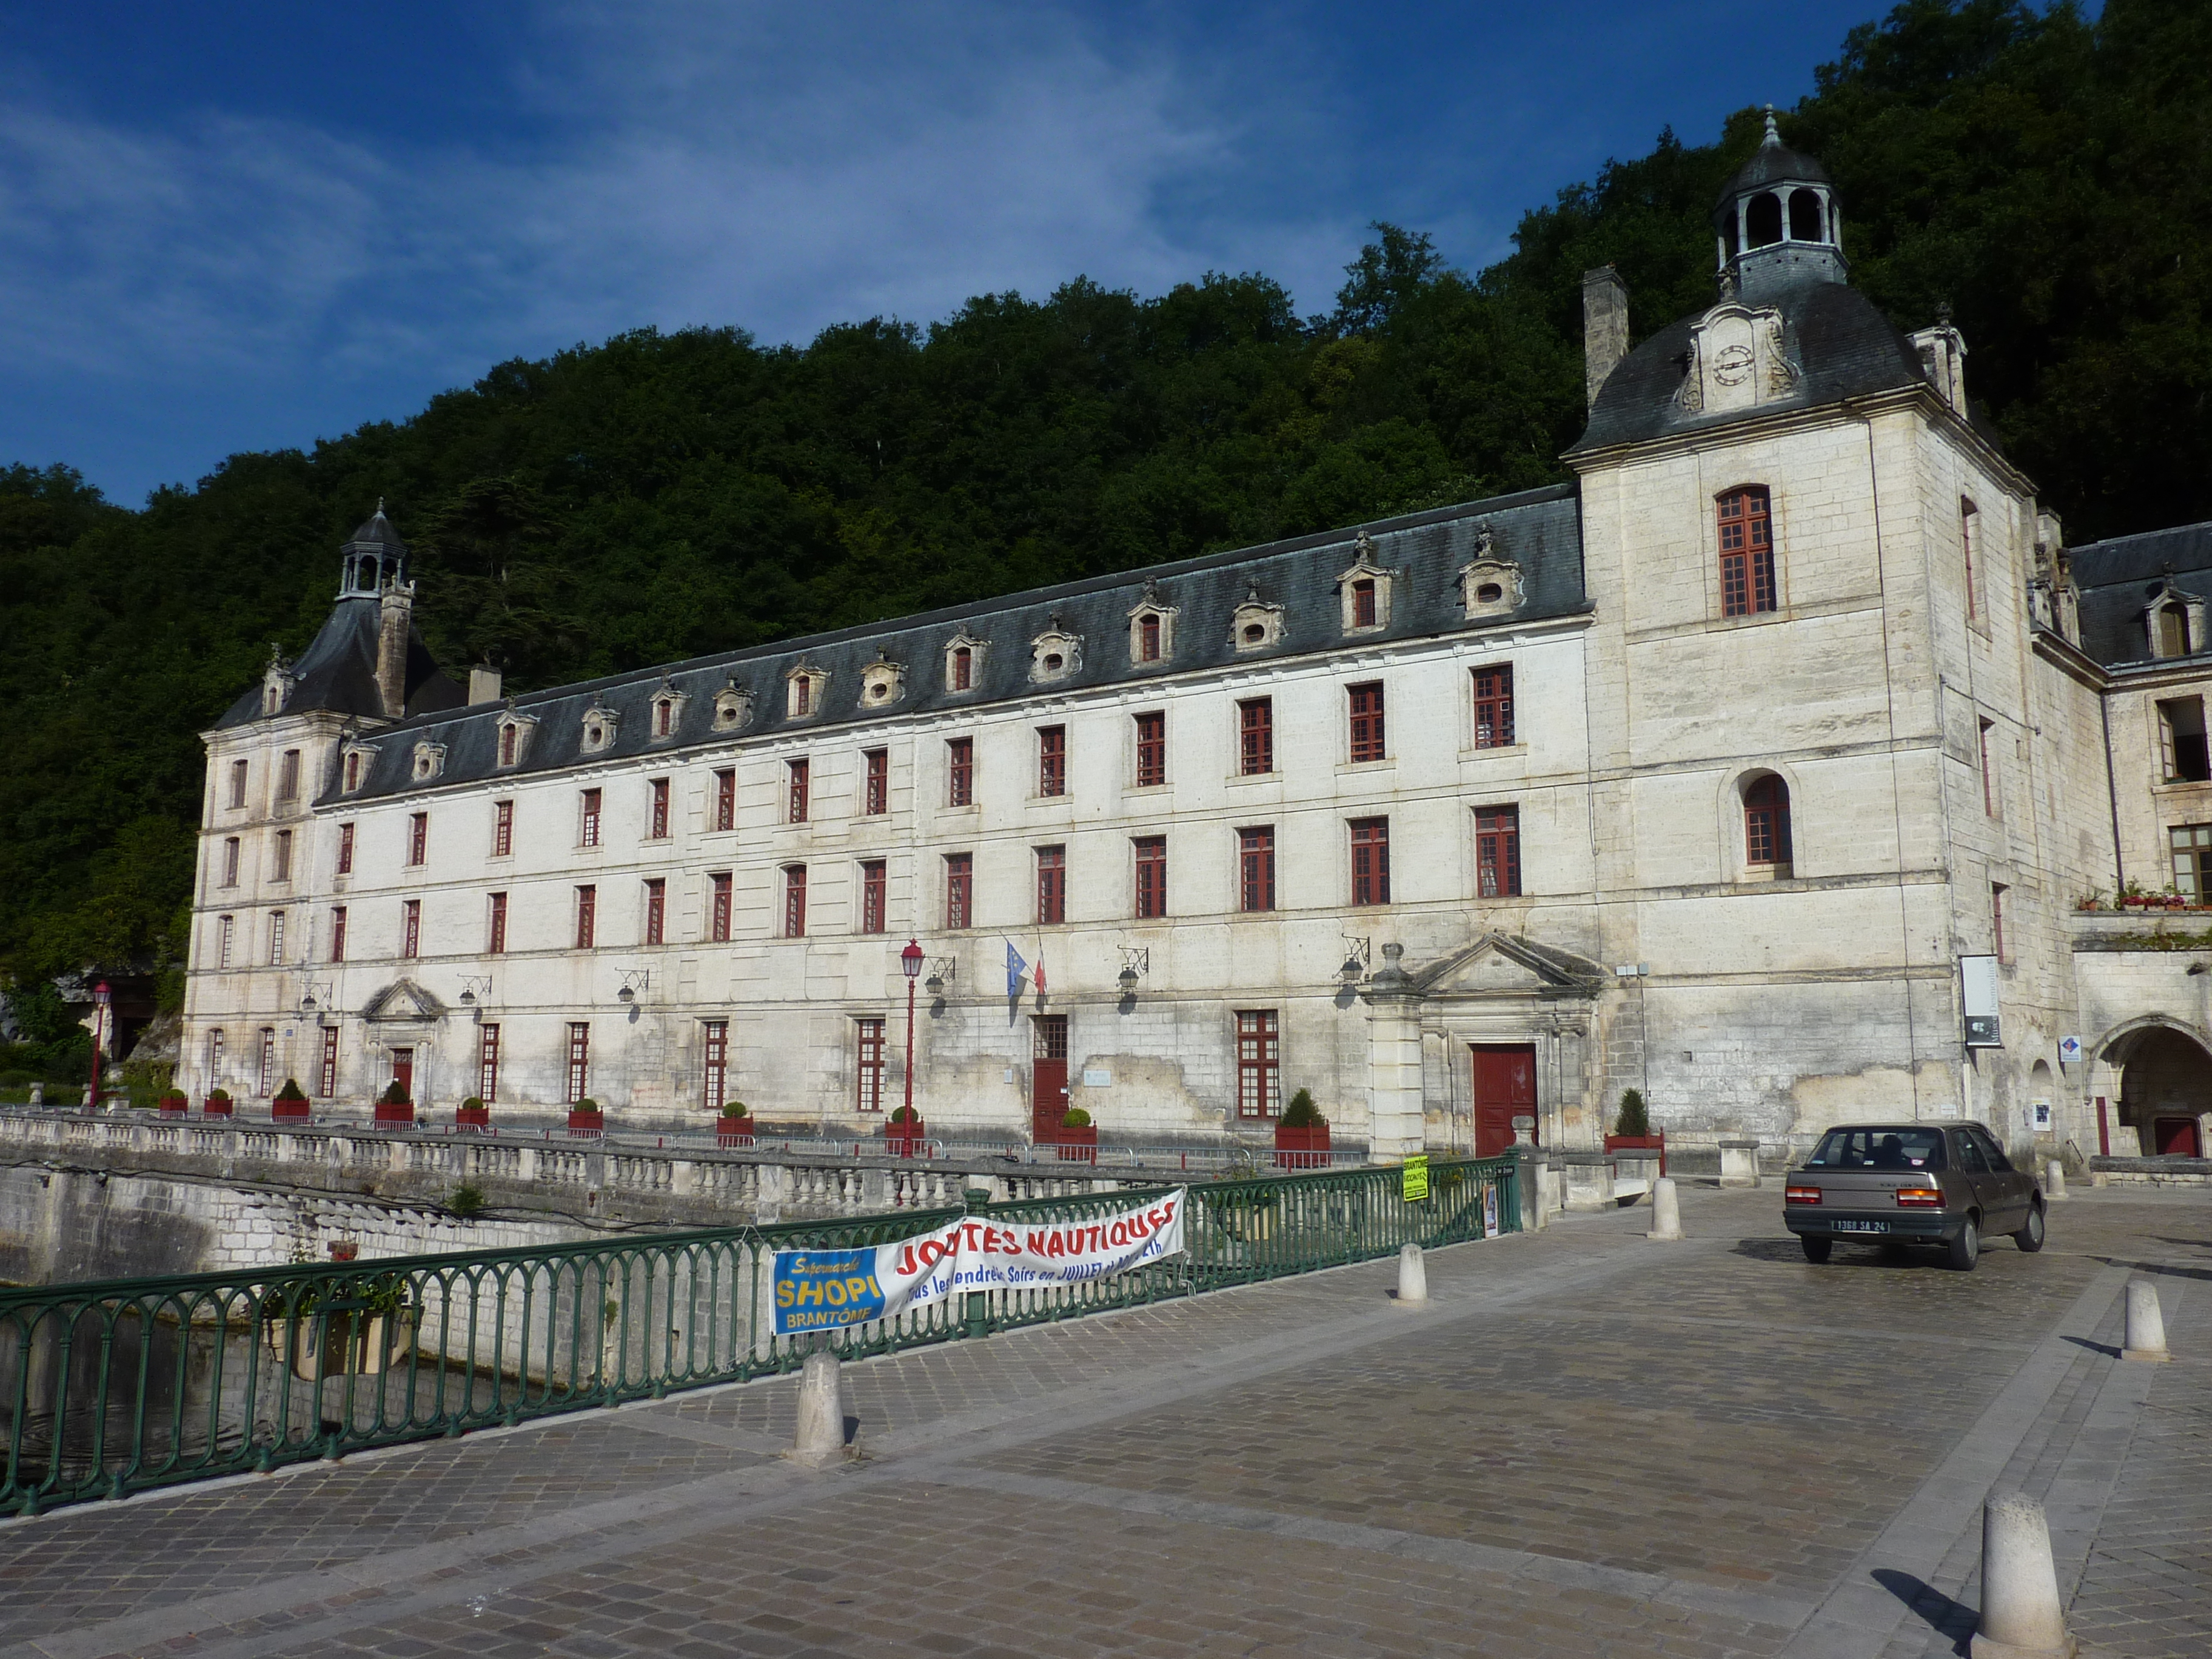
(2054, 1181)
(1413, 1277)
(821, 1411)
(1665, 1210)
(2021, 1617)
(2146, 1336)
(1740, 1164)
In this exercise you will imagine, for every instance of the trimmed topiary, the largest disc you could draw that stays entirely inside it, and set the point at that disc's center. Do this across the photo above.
(395, 1094)
(1075, 1118)
(1634, 1122)
(1302, 1113)
(736, 1109)
(291, 1091)
(905, 1114)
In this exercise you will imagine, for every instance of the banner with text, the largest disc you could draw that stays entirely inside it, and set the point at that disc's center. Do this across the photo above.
(828, 1290)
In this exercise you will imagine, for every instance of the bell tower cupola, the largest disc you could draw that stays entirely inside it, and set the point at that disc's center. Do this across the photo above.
(376, 559)
(1776, 224)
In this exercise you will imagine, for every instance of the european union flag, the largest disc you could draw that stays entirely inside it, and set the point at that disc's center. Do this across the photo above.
(1015, 968)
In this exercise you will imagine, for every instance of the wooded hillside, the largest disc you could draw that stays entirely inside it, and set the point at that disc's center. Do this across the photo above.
(659, 496)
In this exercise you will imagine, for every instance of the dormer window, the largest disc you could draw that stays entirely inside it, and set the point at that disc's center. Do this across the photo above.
(802, 690)
(1489, 585)
(514, 733)
(667, 707)
(883, 683)
(276, 686)
(354, 766)
(963, 662)
(2177, 621)
(1054, 654)
(1254, 625)
(1365, 591)
(1151, 629)
(733, 707)
(429, 761)
(599, 724)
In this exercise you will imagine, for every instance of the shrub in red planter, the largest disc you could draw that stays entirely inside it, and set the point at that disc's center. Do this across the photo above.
(174, 1102)
(904, 1136)
(290, 1104)
(472, 1113)
(734, 1127)
(217, 1104)
(394, 1108)
(585, 1118)
(1302, 1135)
(1078, 1137)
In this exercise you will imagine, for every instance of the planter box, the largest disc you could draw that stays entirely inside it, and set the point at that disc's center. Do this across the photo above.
(1077, 1145)
(472, 1117)
(315, 1346)
(587, 1123)
(401, 1116)
(733, 1132)
(905, 1139)
(173, 1107)
(290, 1111)
(1640, 1144)
(1296, 1149)
(217, 1107)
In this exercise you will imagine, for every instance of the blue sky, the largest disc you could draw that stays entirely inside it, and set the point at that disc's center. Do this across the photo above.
(249, 225)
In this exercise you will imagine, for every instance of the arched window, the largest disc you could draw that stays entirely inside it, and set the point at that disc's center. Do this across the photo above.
(1362, 603)
(1805, 216)
(1148, 637)
(1763, 220)
(1766, 822)
(1747, 547)
(964, 669)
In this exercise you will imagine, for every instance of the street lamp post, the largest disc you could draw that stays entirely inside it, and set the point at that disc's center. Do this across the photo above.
(102, 998)
(911, 961)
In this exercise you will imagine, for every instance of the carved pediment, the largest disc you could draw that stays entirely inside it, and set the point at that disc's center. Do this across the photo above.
(1501, 965)
(883, 683)
(598, 729)
(733, 707)
(403, 999)
(1055, 654)
(1738, 359)
(1490, 585)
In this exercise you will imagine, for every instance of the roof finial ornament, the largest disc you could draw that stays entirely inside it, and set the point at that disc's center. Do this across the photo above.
(1943, 313)
(1773, 133)
(380, 507)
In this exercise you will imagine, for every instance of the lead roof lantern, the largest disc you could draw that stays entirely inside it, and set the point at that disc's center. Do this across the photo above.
(375, 558)
(1776, 224)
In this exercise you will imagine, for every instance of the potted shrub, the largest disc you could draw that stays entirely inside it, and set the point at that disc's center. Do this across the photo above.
(394, 1108)
(734, 1127)
(585, 1118)
(1302, 1135)
(1079, 1137)
(290, 1104)
(217, 1104)
(174, 1102)
(472, 1113)
(1631, 1130)
(904, 1134)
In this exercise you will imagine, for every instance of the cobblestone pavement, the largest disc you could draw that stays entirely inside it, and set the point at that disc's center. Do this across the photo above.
(1587, 1443)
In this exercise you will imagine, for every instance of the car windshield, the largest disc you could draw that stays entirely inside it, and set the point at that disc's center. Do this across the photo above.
(1878, 1149)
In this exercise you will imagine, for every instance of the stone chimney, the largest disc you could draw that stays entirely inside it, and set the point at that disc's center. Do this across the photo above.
(483, 685)
(1605, 327)
(395, 622)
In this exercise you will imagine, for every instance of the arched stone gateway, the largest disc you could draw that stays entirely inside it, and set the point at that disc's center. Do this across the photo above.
(2164, 1105)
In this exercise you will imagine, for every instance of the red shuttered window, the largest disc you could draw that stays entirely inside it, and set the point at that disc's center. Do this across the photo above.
(656, 912)
(1766, 821)
(1362, 603)
(798, 776)
(338, 933)
(418, 837)
(587, 917)
(1747, 548)
(1256, 852)
(1255, 737)
(488, 1065)
(495, 939)
(1052, 760)
(718, 916)
(878, 789)
(326, 1080)
(869, 1067)
(1152, 750)
(794, 901)
(872, 884)
(1051, 885)
(410, 928)
(1497, 851)
(1365, 703)
(718, 1063)
(726, 800)
(1259, 1063)
(1151, 853)
(345, 849)
(656, 828)
(960, 772)
(502, 829)
(959, 882)
(591, 823)
(579, 1061)
(1494, 707)
(1370, 861)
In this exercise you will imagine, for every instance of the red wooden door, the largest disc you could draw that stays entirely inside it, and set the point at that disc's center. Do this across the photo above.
(402, 1071)
(1505, 1089)
(1048, 1076)
(2176, 1137)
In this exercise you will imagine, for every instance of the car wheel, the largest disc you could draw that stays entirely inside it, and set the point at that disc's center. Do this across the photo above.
(1817, 1250)
(2030, 1238)
(1966, 1248)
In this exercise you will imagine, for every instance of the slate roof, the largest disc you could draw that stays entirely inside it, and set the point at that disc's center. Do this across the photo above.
(2117, 578)
(1838, 339)
(1772, 162)
(338, 672)
(1540, 530)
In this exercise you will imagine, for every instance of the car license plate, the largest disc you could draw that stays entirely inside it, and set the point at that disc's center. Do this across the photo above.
(1860, 1226)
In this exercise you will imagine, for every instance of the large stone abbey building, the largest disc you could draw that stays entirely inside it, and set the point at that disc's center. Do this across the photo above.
(1764, 767)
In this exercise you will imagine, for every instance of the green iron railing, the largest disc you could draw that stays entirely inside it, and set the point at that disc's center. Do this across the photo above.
(116, 1387)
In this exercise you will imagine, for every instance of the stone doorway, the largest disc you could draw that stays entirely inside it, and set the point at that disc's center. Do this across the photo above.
(2165, 1091)
(1048, 1076)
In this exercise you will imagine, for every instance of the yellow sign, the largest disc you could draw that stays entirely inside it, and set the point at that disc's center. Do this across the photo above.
(1416, 1171)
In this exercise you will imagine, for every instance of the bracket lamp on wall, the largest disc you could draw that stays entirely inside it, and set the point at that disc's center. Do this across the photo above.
(1358, 953)
(633, 980)
(1136, 962)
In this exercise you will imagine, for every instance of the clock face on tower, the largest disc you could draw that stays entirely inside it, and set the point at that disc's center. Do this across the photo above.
(1732, 366)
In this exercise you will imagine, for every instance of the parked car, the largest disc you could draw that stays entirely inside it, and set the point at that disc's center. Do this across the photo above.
(1912, 1183)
